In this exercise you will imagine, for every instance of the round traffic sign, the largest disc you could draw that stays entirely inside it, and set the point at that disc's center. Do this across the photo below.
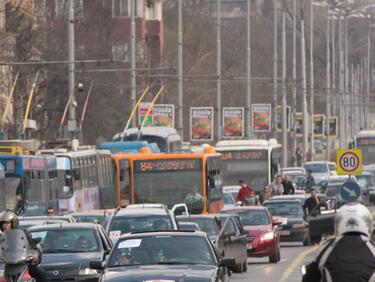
(350, 192)
(349, 162)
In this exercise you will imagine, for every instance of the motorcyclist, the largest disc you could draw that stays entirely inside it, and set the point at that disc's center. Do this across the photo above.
(9, 221)
(351, 255)
(245, 193)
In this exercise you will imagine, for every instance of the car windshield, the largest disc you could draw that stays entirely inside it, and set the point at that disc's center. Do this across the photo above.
(90, 218)
(206, 224)
(126, 224)
(251, 217)
(332, 167)
(333, 190)
(285, 209)
(316, 168)
(368, 180)
(228, 199)
(66, 240)
(162, 249)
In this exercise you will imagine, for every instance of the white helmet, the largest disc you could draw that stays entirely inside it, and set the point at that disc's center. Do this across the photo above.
(353, 217)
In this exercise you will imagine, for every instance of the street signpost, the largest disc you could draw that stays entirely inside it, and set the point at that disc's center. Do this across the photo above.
(349, 161)
(350, 192)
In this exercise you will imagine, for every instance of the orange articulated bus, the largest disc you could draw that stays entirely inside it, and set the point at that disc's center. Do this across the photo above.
(191, 178)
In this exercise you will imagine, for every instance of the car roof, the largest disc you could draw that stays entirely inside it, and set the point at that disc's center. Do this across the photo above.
(83, 225)
(88, 214)
(255, 208)
(283, 201)
(211, 215)
(140, 211)
(193, 233)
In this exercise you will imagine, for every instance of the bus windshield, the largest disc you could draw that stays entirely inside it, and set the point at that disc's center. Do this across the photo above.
(168, 181)
(368, 149)
(250, 166)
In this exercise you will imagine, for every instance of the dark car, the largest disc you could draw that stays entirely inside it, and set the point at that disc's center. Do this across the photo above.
(263, 238)
(176, 255)
(293, 225)
(26, 224)
(231, 241)
(366, 181)
(67, 218)
(136, 218)
(192, 226)
(91, 217)
(68, 248)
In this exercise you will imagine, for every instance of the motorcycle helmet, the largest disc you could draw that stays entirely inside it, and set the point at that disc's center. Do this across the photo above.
(353, 217)
(11, 217)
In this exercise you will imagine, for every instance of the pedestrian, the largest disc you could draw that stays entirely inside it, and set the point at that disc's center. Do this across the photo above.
(299, 156)
(265, 194)
(50, 211)
(277, 187)
(310, 181)
(244, 193)
(350, 256)
(312, 204)
(288, 186)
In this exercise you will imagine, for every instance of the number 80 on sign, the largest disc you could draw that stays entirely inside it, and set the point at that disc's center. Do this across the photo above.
(349, 161)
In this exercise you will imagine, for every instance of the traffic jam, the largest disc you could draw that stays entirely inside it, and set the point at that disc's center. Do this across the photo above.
(128, 211)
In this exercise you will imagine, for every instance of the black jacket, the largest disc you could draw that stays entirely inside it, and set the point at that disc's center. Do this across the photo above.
(350, 258)
(288, 187)
(311, 204)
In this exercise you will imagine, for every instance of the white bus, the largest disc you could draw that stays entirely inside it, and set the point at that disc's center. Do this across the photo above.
(365, 140)
(254, 161)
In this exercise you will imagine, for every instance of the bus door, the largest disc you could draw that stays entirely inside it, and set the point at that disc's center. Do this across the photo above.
(125, 184)
(108, 198)
(214, 184)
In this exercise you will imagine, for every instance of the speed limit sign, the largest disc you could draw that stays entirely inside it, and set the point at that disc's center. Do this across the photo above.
(349, 161)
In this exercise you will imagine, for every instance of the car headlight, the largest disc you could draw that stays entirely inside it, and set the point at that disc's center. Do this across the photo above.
(267, 236)
(87, 271)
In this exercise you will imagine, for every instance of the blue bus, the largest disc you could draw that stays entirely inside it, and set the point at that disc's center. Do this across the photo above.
(129, 147)
(30, 183)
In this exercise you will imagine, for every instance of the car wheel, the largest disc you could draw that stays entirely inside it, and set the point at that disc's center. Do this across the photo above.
(275, 257)
(239, 268)
(244, 266)
(307, 241)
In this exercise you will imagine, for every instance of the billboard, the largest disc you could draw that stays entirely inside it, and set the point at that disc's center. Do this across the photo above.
(142, 110)
(318, 122)
(279, 118)
(201, 123)
(261, 117)
(233, 122)
(332, 126)
(163, 115)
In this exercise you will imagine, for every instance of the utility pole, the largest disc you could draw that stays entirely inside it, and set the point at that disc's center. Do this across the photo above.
(352, 100)
(72, 124)
(275, 68)
(368, 74)
(304, 94)
(180, 122)
(283, 107)
(341, 92)
(248, 68)
(132, 56)
(312, 79)
(218, 69)
(346, 69)
(328, 81)
(334, 90)
(294, 62)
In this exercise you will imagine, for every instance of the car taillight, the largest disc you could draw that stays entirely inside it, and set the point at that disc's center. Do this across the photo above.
(2, 279)
(26, 278)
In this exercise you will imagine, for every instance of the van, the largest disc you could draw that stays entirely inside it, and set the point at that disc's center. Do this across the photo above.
(320, 170)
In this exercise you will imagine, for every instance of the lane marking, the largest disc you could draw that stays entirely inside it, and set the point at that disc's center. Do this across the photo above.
(297, 261)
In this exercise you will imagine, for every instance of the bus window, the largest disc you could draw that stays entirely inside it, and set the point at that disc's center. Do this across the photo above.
(124, 181)
(214, 181)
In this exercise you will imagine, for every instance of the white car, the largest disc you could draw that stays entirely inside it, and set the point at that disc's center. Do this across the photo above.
(319, 170)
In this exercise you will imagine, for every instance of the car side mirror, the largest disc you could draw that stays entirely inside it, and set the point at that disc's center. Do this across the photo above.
(97, 265)
(228, 262)
(276, 221)
(37, 240)
(107, 252)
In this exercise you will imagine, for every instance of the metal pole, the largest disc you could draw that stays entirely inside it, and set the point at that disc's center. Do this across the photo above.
(368, 75)
(346, 69)
(352, 100)
(275, 68)
(328, 81)
(312, 79)
(284, 126)
(71, 39)
(362, 97)
(132, 56)
(341, 84)
(218, 69)
(180, 123)
(248, 68)
(304, 98)
(294, 147)
(334, 96)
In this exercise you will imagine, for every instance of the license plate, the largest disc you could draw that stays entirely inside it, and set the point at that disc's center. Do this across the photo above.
(284, 232)
(249, 246)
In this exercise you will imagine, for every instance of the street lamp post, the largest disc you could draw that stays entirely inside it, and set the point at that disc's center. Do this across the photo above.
(312, 78)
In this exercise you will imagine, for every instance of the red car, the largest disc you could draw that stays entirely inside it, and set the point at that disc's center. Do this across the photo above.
(262, 232)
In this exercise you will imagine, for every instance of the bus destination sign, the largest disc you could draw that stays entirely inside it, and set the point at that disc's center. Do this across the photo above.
(167, 165)
(366, 141)
(244, 155)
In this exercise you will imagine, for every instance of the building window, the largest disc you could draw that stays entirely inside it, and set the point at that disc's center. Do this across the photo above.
(121, 8)
(62, 8)
(41, 8)
(140, 52)
(120, 52)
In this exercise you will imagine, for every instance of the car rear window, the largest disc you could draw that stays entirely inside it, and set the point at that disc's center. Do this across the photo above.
(316, 168)
(252, 217)
(126, 224)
